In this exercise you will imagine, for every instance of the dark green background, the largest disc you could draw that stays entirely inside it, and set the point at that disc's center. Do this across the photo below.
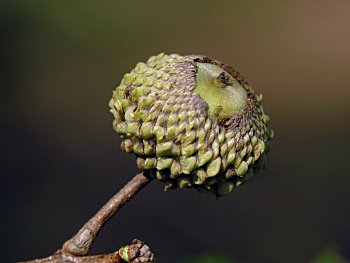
(60, 158)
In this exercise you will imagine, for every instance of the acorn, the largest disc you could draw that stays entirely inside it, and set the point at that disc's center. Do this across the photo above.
(192, 121)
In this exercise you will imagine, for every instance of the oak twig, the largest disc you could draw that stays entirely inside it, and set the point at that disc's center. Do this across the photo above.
(76, 248)
(136, 252)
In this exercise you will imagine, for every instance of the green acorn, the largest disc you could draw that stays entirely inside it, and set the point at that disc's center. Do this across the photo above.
(192, 121)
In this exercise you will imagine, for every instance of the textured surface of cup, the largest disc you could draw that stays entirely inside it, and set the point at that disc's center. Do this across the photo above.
(192, 121)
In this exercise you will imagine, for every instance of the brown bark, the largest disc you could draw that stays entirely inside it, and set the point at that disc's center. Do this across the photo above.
(136, 252)
(60, 257)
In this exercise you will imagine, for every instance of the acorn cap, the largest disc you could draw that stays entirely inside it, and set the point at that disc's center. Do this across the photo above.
(192, 121)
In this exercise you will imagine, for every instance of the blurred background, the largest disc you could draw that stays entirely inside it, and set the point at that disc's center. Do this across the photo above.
(61, 160)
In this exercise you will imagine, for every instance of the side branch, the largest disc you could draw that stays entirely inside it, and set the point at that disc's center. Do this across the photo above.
(136, 252)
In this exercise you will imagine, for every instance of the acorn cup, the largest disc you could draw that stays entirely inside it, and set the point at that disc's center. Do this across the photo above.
(191, 121)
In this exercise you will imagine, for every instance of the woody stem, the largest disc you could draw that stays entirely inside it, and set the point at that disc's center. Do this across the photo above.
(80, 244)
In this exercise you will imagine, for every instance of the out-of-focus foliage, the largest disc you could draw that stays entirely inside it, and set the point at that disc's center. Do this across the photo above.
(329, 255)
